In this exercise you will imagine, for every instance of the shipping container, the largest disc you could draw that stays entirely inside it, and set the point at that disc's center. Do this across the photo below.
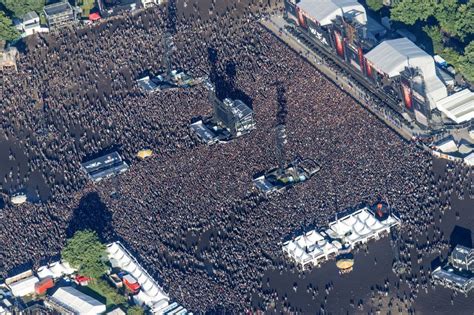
(43, 285)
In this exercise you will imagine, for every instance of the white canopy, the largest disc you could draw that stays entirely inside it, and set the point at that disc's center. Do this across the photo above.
(24, 287)
(78, 301)
(458, 106)
(324, 11)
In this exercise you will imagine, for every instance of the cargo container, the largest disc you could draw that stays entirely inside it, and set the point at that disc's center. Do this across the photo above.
(43, 285)
(131, 283)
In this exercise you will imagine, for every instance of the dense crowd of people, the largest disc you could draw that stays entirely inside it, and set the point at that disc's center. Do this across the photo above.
(190, 212)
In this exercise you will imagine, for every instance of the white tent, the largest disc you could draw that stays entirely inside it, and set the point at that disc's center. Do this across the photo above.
(24, 287)
(150, 292)
(324, 11)
(81, 303)
(469, 160)
(459, 106)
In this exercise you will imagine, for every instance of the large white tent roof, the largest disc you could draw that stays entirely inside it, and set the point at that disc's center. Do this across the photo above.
(323, 11)
(458, 106)
(392, 56)
(78, 301)
(24, 287)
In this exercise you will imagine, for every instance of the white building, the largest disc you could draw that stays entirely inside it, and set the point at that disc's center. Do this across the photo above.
(359, 227)
(151, 294)
(324, 11)
(24, 286)
(76, 301)
(30, 24)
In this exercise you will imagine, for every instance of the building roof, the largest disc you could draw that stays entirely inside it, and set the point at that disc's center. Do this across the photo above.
(462, 255)
(116, 311)
(147, 84)
(78, 301)
(459, 106)
(392, 56)
(446, 145)
(453, 277)
(57, 8)
(30, 16)
(324, 11)
(238, 108)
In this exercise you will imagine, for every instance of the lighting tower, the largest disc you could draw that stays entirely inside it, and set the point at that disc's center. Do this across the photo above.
(280, 129)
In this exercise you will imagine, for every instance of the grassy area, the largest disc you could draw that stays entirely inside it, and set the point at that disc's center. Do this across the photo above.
(105, 291)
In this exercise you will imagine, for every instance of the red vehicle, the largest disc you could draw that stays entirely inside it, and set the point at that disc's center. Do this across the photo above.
(82, 280)
(45, 284)
(131, 283)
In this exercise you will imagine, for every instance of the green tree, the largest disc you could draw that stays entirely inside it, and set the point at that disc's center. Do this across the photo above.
(375, 5)
(85, 252)
(467, 62)
(7, 30)
(135, 310)
(454, 18)
(411, 11)
(87, 6)
(20, 7)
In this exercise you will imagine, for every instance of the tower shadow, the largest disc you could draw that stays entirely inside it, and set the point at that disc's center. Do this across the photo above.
(460, 236)
(94, 215)
(224, 81)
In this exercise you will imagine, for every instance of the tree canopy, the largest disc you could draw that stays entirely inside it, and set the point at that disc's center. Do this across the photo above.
(375, 5)
(467, 62)
(449, 23)
(7, 30)
(19, 7)
(411, 11)
(135, 310)
(454, 18)
(85, 252)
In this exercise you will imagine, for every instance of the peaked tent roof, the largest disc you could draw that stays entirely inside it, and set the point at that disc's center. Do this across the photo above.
(324, 11)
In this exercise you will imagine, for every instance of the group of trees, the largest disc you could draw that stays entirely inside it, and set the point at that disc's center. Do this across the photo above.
(85, 252)
(449, 24)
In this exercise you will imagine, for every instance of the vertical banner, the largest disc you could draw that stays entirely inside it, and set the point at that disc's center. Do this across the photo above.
(361, 58)
(368, 68)
(406, 93)
(301, 20)
(339, 44)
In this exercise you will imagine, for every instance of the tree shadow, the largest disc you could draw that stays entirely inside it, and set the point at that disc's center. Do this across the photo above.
(460, 236)
(92, 214)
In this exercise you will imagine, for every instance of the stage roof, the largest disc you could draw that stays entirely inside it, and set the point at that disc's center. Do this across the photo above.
(392, 56)
(324, 11)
